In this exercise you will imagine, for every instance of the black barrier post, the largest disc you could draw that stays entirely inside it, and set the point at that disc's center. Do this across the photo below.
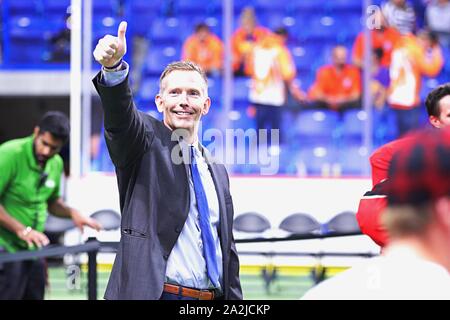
(92, 272)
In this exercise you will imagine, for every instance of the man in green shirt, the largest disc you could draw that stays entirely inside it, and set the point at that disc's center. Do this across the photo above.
(30, 174)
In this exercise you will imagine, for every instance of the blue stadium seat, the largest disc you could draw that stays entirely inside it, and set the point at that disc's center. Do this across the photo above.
(215, 89)
(345, 6)
(103, 161)
(353, 125)
(28, 39)
(56, 6)
(351, 21)
(106, 24)
(384, 126)
(275, 19)
(190, 21)
(307, 6)
(317, 160)
(159, 57)
(145, 5)
(238, 4)
(28, 27)
(305, 78)
(321, 27)
(105, 7)
(268, 5)
(24, 7)
(240, 89)
(195, 7)
(308, 56)
(353, 159)
(239, 118)
(168, 30)
(56, 10)
(315, 125)
(149, 88)
(140, 15)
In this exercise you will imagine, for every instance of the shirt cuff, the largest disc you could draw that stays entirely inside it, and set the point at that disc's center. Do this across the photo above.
(113, 78)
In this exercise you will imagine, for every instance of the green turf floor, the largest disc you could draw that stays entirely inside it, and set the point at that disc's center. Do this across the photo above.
(62, 286)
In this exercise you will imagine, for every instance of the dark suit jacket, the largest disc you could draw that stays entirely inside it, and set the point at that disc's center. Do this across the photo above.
(154, 200)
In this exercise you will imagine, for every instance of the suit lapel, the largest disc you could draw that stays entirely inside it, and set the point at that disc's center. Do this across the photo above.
(175, 218)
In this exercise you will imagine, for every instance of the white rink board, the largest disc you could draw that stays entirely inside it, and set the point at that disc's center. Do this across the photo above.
(275, 197)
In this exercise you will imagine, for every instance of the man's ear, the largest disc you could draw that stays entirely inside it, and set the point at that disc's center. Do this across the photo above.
(159, 103)
(435, 121)
(442, 209)
(36, 131)
(206, 106)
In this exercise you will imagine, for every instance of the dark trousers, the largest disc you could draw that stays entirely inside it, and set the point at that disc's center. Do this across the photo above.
(267, 117)
(22, 280)
(407, 120)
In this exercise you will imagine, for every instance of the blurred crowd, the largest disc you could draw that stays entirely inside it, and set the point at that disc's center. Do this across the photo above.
(401, 56)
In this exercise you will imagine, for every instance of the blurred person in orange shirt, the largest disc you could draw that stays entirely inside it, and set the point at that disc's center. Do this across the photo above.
(412, 58)
(205, 49)
(244, 39)
(384, 37)
(272, 69)
(337, 86)
(380, 79)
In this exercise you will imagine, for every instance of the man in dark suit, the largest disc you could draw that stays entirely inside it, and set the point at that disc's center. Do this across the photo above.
(177, 211)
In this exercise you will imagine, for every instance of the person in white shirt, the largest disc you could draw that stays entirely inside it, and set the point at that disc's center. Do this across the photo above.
(416, 263)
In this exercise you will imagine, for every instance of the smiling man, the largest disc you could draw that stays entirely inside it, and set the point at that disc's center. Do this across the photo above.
(30, 176)
(176, 240)
(183, 98)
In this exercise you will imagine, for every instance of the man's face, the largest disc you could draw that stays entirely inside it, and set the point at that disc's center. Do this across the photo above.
(203, 34)
(443, 119)
(339, 57)
(183, 100)
(398, 3)
(45, 146)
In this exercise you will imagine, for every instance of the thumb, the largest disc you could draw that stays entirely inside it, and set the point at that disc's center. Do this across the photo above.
(122, 30)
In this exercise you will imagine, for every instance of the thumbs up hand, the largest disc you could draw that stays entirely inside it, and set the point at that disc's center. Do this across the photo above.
(111, 49)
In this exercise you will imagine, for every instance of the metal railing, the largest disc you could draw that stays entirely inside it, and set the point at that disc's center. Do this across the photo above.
(93, 246)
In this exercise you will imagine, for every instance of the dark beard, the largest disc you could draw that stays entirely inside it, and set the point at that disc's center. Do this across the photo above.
(41, 162)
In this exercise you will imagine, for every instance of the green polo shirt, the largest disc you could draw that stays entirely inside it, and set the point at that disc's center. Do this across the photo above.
(20, 193)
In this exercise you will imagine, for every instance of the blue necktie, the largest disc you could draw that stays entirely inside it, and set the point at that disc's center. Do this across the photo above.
(209, 248)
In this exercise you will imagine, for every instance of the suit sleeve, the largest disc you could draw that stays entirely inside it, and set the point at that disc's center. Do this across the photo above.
(370, 210)
(235, 290)
(126, 135)
(235, 284)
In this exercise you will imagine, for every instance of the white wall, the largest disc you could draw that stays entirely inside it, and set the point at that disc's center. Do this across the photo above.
(275, 197)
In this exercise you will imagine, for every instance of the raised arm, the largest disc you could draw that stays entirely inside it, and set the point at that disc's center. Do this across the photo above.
(125, 132)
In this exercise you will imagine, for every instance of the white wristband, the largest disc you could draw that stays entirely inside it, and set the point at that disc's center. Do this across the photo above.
(26, 231)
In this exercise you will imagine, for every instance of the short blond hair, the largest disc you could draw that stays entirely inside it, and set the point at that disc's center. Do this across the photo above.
(182, 66)
(406, 220)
